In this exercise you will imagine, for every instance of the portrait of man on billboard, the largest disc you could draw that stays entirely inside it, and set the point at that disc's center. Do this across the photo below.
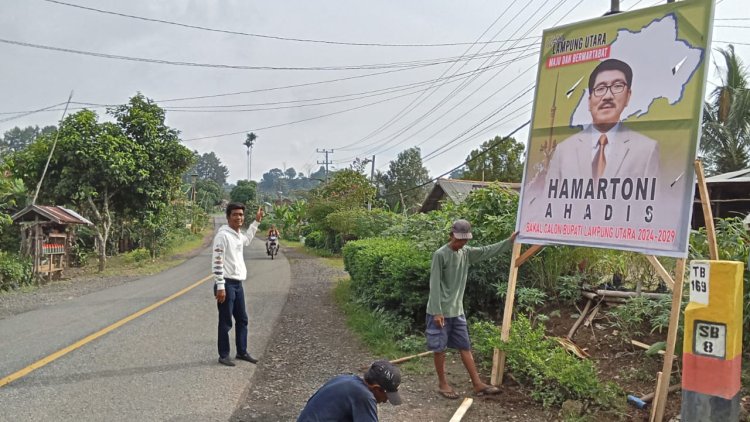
(606, 148)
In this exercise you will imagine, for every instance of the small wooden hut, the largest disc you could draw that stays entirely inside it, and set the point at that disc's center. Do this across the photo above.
(47, 237)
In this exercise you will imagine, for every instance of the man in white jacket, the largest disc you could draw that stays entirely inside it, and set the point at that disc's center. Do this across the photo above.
(228, 266)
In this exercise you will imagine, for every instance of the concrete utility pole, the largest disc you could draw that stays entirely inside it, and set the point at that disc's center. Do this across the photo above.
(326, 162)
(372, 179)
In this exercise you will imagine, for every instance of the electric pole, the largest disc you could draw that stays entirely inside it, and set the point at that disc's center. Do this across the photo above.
(372, 180)
(326, 162)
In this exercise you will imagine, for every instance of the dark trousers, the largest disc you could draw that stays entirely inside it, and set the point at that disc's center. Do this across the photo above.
(233, 306)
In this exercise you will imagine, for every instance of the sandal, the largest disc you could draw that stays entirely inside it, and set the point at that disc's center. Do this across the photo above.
(451, 395)
(489, 390)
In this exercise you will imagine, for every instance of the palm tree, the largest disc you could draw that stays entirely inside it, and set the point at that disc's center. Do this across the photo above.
(249, 141)
(725, 142)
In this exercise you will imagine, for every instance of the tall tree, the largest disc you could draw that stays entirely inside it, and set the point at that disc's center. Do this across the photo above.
(290, 173)
(209, 167)
(244, 192)
(249, 142)
(498, 159)
(208, 194)
(725, 140)
(404, 179)
(130, 167)
(17, 139)
(273, 182)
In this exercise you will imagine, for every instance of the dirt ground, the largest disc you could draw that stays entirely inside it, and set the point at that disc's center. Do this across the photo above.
(312, 343)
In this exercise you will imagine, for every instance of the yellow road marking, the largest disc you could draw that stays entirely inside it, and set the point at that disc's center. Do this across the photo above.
(91, 337)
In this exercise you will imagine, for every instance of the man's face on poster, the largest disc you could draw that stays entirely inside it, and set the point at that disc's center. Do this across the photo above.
(608, 99)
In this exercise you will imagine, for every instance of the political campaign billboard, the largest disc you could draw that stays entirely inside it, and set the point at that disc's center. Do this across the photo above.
(615, 128)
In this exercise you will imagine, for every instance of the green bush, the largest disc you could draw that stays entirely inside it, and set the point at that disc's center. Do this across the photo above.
(553, 374)
(137, 255)
(389, 274)
(15, 271)
(79, 256)
(359, 223)
(315, 240)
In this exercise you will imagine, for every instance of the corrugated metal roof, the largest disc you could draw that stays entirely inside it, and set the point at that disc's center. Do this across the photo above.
(732, 176)
(457, 191)
(55, 214)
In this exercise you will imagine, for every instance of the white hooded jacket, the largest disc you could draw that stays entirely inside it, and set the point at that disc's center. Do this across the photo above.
(227, 261)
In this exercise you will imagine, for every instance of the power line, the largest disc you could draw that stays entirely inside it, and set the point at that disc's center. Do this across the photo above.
(419, 100)
(211, 108)
(497, 111)
(732, 42)
(297, 121)
(454, 92)
(26, 113)
(460, 165)
(412, 64)
(386, 140)
(273, 37)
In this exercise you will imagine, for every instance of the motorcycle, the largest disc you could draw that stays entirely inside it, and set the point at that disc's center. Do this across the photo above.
(273, 246)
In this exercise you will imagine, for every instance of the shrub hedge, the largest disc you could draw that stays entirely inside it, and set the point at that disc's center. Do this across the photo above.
(389, 274)
(15, 271)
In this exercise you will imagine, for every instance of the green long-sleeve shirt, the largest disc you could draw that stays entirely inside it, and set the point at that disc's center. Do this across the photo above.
(449, 272)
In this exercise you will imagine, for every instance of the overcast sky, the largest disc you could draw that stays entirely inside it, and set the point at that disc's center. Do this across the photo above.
(381, 107)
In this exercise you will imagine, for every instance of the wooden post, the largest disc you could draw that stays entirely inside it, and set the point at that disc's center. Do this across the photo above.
(656, 398)
(461, 411)
(498, 358)
(660, 397)
(708, 215)
(661, 271)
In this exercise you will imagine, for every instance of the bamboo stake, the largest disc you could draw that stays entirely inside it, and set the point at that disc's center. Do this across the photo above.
(405, 358)
(614, 293)
(674, 319)
(707, 212)
(580, 319)
(461, 411)
(661, 271)
(657, 399)
(533, 249)
(592, 315)
(644, 346)
(650, 396)
(498, 358)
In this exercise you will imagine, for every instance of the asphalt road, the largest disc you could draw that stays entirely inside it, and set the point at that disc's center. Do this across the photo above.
(160, 366)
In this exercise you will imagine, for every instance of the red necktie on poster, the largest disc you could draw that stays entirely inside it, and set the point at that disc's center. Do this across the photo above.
(600, 160)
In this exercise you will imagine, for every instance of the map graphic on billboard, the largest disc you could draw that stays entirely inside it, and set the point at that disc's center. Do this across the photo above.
(615, 129)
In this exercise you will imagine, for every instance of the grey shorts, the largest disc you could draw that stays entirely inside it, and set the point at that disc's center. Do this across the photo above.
(454, 334)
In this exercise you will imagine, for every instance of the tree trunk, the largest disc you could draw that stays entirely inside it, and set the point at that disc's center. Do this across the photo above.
(103, 223)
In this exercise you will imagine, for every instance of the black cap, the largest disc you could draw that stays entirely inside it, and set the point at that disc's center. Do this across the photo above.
(388, 376)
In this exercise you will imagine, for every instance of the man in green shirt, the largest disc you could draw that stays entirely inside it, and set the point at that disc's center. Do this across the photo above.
(446, 322)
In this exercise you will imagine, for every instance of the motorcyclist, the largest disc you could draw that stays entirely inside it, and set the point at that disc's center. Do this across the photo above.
(273, 231)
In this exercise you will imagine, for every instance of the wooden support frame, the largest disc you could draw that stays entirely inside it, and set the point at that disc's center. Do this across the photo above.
(675, 284)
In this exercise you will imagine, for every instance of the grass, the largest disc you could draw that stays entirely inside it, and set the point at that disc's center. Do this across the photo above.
(375, 331)
(124, 265)
(328, 258)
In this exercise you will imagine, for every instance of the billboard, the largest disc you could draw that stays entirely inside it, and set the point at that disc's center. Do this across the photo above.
(615, 128)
